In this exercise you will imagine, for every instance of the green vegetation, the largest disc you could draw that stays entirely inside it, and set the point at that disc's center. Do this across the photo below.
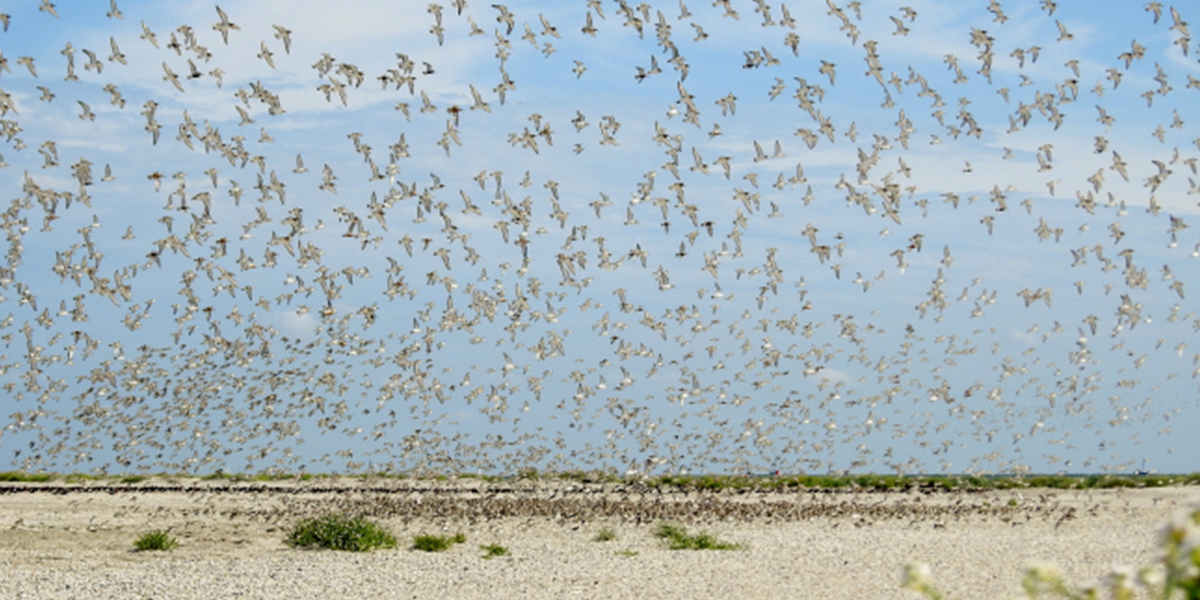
(155, 540)
(481, 477)
(22, 477)
(679, 539)
(588, 476)
(437, 543)
(81, 477)
(340, 532)
(534, 474)
(1177, 575)
(493, 550)
(606, 534)
(264, 476)
(626, 552)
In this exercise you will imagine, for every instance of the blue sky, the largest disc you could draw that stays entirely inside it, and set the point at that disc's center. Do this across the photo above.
(903, 276)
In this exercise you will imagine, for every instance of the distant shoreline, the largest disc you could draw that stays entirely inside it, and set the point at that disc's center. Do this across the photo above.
(15, 481)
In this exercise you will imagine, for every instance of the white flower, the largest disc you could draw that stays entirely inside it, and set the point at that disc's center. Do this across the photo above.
(1121, 582)
(1042, 571)
(1151, 577)
(1189, 542)
(917, 576)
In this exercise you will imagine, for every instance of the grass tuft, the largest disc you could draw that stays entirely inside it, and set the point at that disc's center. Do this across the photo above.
(606, 534)
(155, 540)
(340, 532)
(679, 539)
(493, 550)
(437, 543)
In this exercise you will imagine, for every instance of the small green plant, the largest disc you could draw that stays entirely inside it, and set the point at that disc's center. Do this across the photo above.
(493, 550)
(606, 534)
(1178, 575)
(155, 540)
(437, 543)
(626, 552)
(589, 476)
(679, 539)
(82, 477)
(340, 532)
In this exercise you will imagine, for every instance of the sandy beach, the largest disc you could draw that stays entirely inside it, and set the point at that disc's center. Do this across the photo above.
(64, 540)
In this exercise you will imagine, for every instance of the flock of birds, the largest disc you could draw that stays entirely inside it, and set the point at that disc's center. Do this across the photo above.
(560, 260)
(580, 504)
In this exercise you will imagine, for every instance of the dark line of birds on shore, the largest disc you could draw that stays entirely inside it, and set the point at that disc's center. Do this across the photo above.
(628, 502)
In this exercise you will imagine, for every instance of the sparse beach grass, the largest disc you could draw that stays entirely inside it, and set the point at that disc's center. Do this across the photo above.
(606, 534)
(437, 543)
(680, 539)
(340, 532)
(494, 550)
(155, 540)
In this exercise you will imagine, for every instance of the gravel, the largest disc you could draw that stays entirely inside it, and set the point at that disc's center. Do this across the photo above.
(80, 544)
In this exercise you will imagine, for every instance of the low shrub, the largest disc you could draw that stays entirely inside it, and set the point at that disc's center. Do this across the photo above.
(340, 532)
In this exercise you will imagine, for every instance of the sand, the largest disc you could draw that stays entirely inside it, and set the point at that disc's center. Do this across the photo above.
(62, 540)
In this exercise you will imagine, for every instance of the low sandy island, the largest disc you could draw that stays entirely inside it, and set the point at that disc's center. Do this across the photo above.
(60, 540)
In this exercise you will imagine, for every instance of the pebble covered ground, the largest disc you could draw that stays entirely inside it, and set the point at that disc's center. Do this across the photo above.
(64, 541)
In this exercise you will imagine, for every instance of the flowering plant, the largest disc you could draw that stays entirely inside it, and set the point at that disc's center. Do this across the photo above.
(1178, 572)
